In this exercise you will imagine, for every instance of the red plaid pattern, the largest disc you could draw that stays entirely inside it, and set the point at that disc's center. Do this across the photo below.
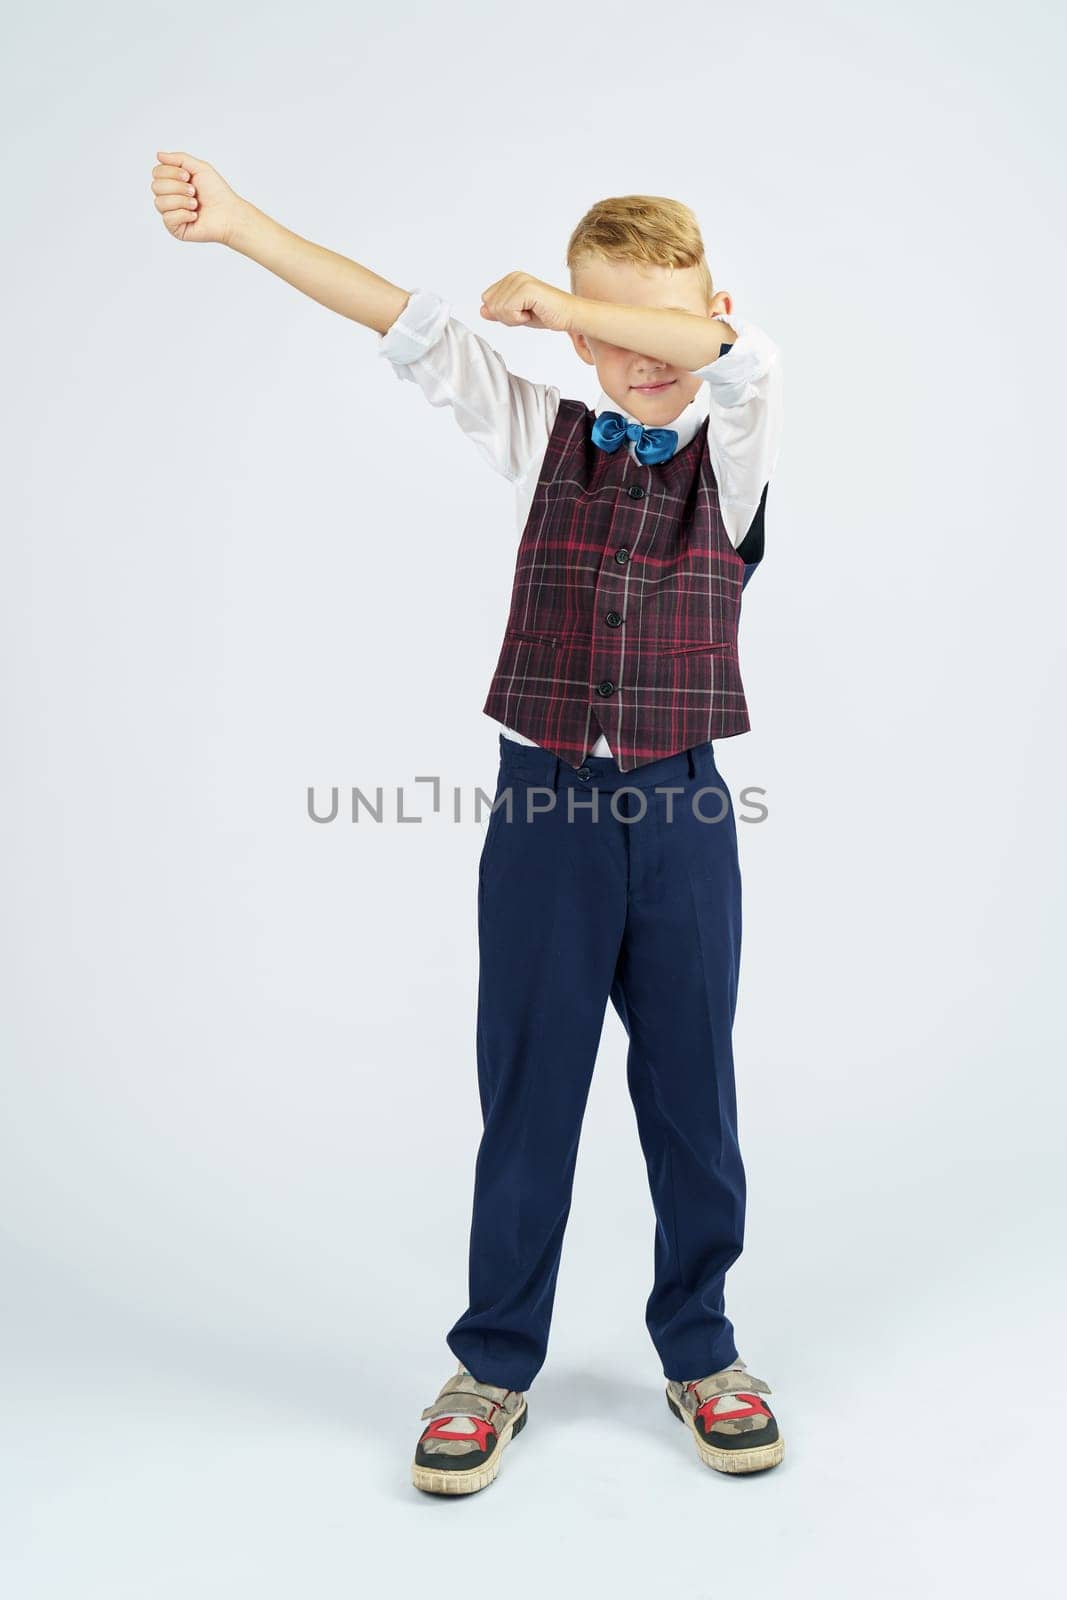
(624, 607)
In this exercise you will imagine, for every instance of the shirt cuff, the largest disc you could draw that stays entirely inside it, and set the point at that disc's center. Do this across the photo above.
(416, 329)
(749, 358)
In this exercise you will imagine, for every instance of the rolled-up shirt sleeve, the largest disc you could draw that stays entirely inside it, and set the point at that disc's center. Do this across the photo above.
(417, 327)
(744, 421)
(507, 417)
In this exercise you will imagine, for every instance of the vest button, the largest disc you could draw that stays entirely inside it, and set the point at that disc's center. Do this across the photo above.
(605, 688)
(622, 555)
(636, 492)
(613, 619)
(583, 773)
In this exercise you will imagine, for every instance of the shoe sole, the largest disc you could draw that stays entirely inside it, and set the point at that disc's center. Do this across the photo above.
(756, 1459)
(455, 1481)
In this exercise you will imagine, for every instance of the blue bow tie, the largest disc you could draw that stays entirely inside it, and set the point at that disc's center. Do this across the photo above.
(652, 444)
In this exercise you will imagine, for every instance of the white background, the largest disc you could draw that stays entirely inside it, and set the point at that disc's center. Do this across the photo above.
(240, 558)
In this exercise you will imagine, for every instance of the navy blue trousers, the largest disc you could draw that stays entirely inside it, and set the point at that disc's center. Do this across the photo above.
(637, 901)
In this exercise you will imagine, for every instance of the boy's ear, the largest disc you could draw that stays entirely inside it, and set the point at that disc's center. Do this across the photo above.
(578, 340)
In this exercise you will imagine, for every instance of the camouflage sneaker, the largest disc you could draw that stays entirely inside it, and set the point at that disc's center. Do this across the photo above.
(733, 1429)
(471, 1424)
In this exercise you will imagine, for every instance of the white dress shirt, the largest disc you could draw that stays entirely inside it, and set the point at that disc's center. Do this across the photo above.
(510, 419)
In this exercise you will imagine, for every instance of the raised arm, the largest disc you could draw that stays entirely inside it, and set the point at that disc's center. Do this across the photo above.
(744, 381)
(198, 206)
(744, 378)
(507, 417)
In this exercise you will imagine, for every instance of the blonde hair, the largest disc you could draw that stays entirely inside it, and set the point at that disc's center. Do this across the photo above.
(640, 228)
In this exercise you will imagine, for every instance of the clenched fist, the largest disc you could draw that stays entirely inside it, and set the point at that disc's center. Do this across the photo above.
(196, 203)
(522, 301)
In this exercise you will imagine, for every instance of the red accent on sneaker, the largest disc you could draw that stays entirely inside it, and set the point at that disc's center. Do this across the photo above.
(755, 1408)
(438, 1430)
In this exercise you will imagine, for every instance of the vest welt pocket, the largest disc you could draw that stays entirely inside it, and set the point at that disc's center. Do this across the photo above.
(720, 648)
(531, 636)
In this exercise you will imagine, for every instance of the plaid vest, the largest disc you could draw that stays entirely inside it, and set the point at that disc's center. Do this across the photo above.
(625, 604)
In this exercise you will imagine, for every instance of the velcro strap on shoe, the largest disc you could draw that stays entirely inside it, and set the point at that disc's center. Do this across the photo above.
(732, 1382)
(463, 1393)
(471, 1405)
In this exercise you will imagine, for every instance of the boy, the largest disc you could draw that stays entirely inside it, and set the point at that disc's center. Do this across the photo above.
(606, 871)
